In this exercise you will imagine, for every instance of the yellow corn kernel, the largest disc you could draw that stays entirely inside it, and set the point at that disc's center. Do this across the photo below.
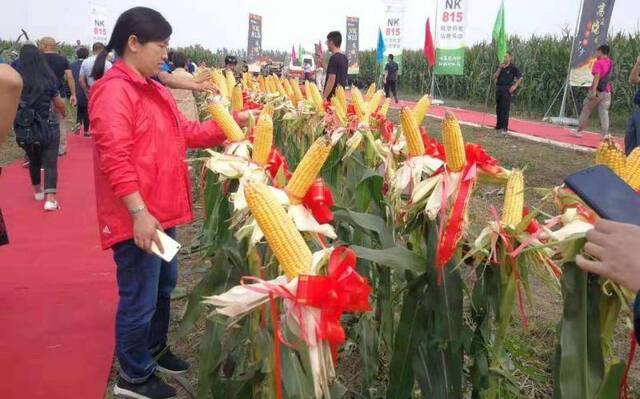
(262, 84)
(632, 170)
(221, 83)
(236, 99)
(262, 140)
(385, 107)
(296, 90)
(231, 81)
(308, 169)
(610, 155)
(225, 121)
(318, 101)
(279, 86)
(453, 143)
(342, 96)
(421, 108)
(411, 133)
(307, 92)
(375, 101)
(339, 110)
(289, 90)
(513, 199)
(370, 92)
(282, 236)
(358, 102)
(268, 109)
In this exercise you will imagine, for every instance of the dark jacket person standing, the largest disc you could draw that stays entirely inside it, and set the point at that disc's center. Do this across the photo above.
(338, 65)
(507, 79)
(390, 78)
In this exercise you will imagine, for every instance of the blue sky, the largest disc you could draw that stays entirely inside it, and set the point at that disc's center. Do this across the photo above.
(217, 24)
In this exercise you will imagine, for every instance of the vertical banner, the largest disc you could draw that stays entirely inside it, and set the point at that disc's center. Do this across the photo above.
(393, 29)
(592, 33)
(254, 42)
(353, 39)
(99, 25)
(451, 26)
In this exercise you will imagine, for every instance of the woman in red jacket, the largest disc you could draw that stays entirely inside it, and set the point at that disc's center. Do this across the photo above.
(142, 184)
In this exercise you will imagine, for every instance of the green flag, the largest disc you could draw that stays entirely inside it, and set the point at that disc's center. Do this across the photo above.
(300, 55)
(500, 34)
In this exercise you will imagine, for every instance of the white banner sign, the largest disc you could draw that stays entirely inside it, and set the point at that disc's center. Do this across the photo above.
(393, 29)
(99, 24)
(451, 27)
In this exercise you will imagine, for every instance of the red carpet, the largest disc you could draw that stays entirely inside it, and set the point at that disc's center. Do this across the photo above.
(57, 290)
(539, 130)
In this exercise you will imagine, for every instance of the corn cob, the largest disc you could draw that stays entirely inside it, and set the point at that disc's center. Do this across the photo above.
(375, 101)
(370, 92)
(453, 143)
(610, 155)
(271, 87)
(220, 83)
(308, 169)
(421, 108)
(262, 84)
(236, 99)
(268, 109)
(318, 101)
(231, 81)
(226, 122)
(307, 92)
(632, 170)
(279, 86)
(296, 90)
(342, 97)
(289, 90)
(513, 199)
(281, 234)
(411, 133)
(358, 102)
(339, 111)
(385, 107)
(262, 140)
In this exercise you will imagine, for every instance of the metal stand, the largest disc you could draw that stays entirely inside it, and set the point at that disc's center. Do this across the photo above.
(562, 119)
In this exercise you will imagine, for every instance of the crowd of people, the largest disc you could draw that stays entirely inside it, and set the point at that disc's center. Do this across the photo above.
(139, 109)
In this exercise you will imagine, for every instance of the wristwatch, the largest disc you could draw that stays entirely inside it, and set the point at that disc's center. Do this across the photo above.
(137, 209)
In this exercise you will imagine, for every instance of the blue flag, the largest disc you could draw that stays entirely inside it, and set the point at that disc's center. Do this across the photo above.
(381, 47)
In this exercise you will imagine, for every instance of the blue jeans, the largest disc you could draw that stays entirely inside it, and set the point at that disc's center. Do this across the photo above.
(145, 283)
(632, 133)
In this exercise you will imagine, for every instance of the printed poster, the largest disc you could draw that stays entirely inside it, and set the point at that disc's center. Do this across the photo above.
(352, 46)
(451, 27)
(393, 29)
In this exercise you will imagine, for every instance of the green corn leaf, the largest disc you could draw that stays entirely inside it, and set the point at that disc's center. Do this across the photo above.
(399, 258)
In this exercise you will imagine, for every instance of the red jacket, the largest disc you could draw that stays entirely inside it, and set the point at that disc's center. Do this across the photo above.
(141, 142)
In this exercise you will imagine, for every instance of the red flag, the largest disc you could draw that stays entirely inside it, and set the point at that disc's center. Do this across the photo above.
(429, 49)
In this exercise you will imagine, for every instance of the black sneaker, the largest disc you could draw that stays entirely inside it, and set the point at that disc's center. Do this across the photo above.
(169, 363)
(153, 388)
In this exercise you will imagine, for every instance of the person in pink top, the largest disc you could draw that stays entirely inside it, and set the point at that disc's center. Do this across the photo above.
(599, 96)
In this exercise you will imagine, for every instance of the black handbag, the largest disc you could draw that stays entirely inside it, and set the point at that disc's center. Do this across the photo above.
(31, 128)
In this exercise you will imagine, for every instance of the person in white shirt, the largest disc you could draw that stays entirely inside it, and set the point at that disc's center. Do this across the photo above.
(86, 80)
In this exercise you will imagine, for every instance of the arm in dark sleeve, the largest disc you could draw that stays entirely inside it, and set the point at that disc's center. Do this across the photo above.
(516, 73)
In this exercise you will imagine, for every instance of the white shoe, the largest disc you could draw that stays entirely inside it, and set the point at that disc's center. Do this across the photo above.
(39, 196)
(51, 206)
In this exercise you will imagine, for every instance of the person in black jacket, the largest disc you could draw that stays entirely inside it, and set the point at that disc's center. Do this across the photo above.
(82, 116)
(507, 78)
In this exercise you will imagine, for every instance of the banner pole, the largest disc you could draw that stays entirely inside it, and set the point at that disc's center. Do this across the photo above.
(568, 81)
(435, 45)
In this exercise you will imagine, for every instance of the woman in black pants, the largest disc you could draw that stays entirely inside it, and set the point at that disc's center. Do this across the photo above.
(40, 94)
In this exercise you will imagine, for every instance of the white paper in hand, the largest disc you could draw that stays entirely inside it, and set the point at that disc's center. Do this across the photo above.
(170, 246)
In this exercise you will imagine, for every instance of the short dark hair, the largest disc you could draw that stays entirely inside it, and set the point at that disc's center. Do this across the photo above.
(179, 60)
(97, 46)
(604, 49)
(510, 53)
(335, 37)
(82, 53)
(391, 56)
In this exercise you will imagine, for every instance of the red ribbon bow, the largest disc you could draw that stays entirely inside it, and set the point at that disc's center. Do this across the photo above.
(476, 154)
(342, 290)
(319, 201)
(275, 162)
